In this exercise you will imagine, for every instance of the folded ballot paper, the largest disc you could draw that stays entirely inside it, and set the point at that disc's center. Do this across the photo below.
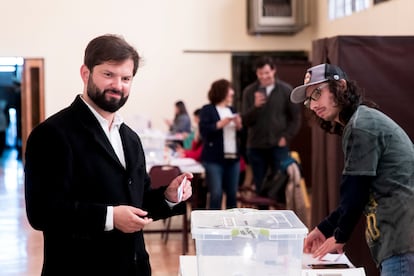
(330, 265)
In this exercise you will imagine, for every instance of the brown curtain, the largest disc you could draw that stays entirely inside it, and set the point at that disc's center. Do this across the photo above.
(383, 66)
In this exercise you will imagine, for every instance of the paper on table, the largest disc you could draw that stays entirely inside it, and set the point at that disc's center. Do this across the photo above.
(327, 259)
(334, 272)
(330, 259)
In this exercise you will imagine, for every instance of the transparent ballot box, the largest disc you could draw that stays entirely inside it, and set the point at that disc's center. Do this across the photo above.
(248, 242)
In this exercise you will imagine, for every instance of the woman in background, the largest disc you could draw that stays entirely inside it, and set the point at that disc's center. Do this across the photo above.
(192, 145)
(182, 122)
(220, 155)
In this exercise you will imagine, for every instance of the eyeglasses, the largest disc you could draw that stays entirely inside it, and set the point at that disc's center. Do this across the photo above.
(315, 95)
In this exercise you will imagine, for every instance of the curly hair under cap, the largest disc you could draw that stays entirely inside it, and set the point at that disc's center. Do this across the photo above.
(348, 99)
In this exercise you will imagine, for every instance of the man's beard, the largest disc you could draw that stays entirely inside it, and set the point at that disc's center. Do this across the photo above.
(99, 98)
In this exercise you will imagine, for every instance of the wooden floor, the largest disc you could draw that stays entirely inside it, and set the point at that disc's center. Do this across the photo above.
(21, 246)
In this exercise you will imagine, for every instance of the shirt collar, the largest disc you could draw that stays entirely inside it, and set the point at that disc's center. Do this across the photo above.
(269, 88)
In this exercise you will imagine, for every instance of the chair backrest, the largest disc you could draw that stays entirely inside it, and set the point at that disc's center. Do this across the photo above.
(162, 175)
(297, 198)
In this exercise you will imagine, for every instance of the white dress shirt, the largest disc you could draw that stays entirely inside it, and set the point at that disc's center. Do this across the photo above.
(115, 139)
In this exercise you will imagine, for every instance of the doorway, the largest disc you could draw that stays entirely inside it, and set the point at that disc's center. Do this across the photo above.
(22, 94)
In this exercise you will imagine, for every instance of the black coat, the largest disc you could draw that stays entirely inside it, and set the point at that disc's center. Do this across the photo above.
(213, 139)
(277, 118)
(71, 175)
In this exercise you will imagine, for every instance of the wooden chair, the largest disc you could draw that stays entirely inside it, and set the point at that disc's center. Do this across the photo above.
(162, 175)
(297, 198)
(248, 198)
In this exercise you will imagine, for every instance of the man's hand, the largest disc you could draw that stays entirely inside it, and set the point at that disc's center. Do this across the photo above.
(259, 99)
(129, 219)
(329, 246)
(313, 241)
(319, 246)
(171, 193)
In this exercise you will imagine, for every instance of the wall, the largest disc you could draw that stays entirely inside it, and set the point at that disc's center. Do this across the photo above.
(163, 31)
(392, 17)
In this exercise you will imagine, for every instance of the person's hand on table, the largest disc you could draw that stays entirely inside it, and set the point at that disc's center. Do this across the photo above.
(313, 240)
(329, 246)
(318, 245)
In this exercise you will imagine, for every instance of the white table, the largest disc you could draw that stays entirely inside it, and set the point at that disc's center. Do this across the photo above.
(185, 165)
(188, 267)
(188, 165)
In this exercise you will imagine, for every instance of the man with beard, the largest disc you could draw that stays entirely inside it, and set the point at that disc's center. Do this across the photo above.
(86, 184)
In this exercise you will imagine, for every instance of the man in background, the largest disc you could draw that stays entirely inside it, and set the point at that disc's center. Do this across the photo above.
(272, 120)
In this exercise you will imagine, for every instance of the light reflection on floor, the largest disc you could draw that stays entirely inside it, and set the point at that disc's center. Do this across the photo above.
(18, 256)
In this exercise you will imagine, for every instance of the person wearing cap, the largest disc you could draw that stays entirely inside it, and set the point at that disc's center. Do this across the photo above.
(378, 175)
(271, 120)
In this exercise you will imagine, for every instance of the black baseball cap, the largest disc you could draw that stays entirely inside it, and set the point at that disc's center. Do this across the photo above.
(314, 75)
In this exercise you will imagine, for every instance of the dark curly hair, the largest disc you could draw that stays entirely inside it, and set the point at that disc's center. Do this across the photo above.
(218, 91)
(347, 100)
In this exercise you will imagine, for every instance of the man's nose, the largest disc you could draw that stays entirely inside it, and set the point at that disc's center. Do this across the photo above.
(117, 83)
(312, 104)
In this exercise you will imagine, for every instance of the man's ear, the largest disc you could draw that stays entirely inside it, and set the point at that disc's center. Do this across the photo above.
(85, 73)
